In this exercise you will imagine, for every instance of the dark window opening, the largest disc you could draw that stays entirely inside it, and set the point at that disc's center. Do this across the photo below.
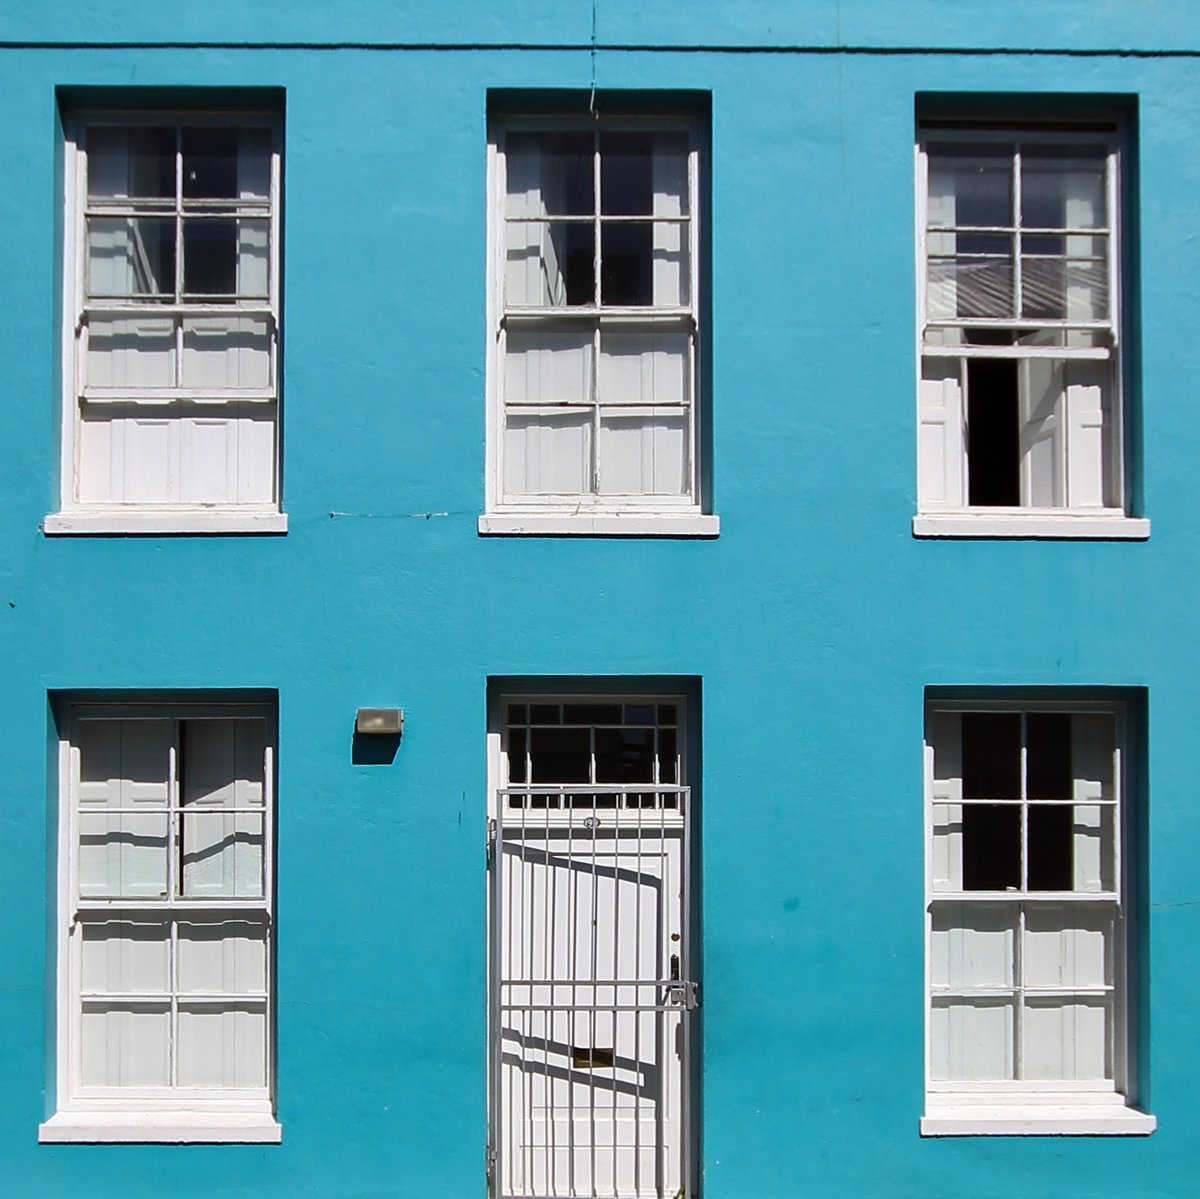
(991, 847)
(567, 173)
(560, 755)
(991, 755)
(626, 179)
(626, 255)
(575, 246)
(592, 714)
(210, 163)
(1048, 755)
(210, 257)
(667, 754)
(624, 756)
(993, 438)
(1051, 856)
(516, 755)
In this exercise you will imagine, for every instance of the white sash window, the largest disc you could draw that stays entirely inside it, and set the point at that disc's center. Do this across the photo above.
(594, 346)
(172, 324)
(1019, 390)
(165, 925)
(1028, 973)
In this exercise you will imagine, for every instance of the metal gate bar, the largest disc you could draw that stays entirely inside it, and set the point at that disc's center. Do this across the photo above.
(551, 1004)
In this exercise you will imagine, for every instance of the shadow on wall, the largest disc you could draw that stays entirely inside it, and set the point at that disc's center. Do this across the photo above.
(374, 749)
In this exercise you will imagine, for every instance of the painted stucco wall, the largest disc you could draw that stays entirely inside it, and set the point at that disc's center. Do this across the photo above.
(815, 622)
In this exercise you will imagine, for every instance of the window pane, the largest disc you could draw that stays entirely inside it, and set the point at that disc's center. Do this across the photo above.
(991, 755)
(549, 174)
(1051, 859)
(644, 264)
(222, 762)
(644, 174)
(972, 1040)
(1093, 745)
(223, 1046)
(947, 865)
(1067, 1039)
(221, 767)
(226, 163)
(517, 746)
(1048, 755)
(668, 756)
(1064, 277)
(134, 352)
(627, 173)
(973, 278)
(254, 163)
(225, 258)
(222, 958)
(624, 755)
(671, 197)
(644, 367)
(123, 764)
(226, 352)
(124, 956)
(128, 453)
(124, 1046)
(991, 847)
(591, 714)
(643, 452)
(560, 755)
(1068, 945)
(550, 264)
(548, 366)
(970, 185)
(124, 163)
(548, 453)
(222, 854)
(1094, 843)
(1062, 187)
(130, 257)
(973, 945)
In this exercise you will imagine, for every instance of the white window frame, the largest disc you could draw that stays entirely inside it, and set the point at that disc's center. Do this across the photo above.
(74, 516)
(171, 1114)
(1036, 1107)
(593, 513)
(948, 514)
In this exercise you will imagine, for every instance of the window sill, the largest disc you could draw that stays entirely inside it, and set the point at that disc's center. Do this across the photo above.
(597, 524)
(162, 521)
(176, 1128)
(1036, 1120)
(1063, 526)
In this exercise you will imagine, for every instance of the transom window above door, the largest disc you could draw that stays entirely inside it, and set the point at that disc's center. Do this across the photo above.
(607, 744)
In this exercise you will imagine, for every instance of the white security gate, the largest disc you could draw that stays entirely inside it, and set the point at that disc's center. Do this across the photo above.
(591, 993)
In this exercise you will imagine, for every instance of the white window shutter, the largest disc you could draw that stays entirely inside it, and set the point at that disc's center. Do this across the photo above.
(1093, 739)
(945, 740)
(1043, 454)
(940, 453)
(1089, 432)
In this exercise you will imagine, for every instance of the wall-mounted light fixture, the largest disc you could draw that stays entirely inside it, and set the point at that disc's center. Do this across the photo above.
(387, 721)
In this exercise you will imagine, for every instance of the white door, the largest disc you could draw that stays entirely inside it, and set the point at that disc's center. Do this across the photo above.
(590, 990)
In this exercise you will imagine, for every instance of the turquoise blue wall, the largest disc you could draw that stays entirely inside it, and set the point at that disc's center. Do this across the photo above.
(815, 621)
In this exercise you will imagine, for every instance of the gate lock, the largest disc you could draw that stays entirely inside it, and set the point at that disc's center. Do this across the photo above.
(684, 994)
